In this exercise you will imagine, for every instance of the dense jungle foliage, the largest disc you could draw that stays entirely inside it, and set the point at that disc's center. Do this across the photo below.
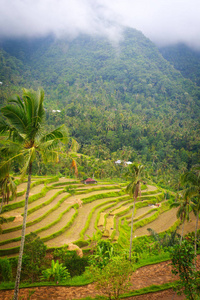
(184, 59)
(119, 101)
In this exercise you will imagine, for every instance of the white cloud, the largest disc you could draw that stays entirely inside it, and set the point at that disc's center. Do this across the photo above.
(163, 21)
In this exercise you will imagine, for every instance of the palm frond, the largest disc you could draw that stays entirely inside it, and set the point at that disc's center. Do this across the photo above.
(192, 191)
(74, 145)
(4, 169)
(8, 148)
(4, 165)
(50, 156)
(33, 102)
(4, 126)
(16, 118)
(41, 111)
(60, 134)
(15, 99)
(29, 157)
(131, 188)
(189, 178)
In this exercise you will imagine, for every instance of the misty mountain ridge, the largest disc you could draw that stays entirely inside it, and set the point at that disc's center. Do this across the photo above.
(134, 61)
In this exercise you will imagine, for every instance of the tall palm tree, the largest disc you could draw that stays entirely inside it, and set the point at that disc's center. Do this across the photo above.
(135, 175)
(24, 138)
(184, 206)
(192, 181)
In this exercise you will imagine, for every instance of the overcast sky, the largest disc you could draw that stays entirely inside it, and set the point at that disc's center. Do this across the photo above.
(163, 21)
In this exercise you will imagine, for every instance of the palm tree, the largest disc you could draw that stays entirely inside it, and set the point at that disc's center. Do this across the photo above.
(192, 181)
(184, 205)
(24, 138)
(134, 173)
(7, 184)
(7, 187)
(196, 211)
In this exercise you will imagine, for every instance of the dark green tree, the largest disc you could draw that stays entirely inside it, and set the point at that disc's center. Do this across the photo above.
(33, 256)
(183, 264)
(113, 279)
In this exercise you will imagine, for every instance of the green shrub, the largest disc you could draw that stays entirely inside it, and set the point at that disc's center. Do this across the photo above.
(103, 253)
(5, 269)
(113, 279)
(33, 257)
(3, 220)
(4, 252)
(81, 243)
(75, 264)
(183, 258)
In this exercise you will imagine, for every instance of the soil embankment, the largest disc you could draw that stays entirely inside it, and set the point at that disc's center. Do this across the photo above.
(149, 275)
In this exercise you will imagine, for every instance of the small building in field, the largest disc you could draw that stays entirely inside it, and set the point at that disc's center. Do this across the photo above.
(123, 162)
(89, 181)
(118, 162)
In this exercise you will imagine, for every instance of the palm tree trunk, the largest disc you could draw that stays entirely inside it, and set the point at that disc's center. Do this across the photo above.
(195, 239)
(131, 238)
(19, 266)
(7, 197)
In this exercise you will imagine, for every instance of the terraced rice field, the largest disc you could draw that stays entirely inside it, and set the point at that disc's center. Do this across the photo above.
(66, 211)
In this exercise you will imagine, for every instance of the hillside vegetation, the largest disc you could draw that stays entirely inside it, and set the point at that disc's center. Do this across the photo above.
(122, 101)
(184, 59)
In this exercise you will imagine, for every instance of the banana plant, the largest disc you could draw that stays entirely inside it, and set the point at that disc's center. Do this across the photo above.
(56, 273)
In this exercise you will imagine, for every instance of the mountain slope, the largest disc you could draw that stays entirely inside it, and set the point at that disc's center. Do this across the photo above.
(115, 96)
(184, 59)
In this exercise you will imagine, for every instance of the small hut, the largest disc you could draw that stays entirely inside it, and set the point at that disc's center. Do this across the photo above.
(89, 181)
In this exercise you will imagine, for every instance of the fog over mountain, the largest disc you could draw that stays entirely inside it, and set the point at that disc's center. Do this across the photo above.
(164, 22)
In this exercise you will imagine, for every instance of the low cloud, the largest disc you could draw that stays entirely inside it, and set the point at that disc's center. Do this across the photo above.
(163, 21)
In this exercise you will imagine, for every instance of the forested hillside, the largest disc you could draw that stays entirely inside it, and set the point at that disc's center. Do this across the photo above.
(184, 59)
(119, 101)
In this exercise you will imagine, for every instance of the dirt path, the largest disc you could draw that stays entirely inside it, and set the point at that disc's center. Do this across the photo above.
(149, 275)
